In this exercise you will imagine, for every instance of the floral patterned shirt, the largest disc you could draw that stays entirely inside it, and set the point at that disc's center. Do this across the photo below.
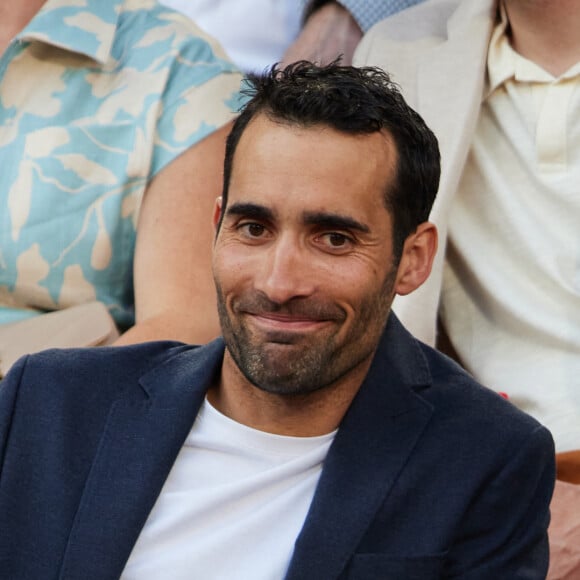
(96, 97)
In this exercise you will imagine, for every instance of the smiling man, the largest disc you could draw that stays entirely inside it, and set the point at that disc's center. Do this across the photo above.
(318, 439)
(304, 264)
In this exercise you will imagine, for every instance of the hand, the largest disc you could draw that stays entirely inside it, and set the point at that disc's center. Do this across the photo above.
(330, 32)
(564, 532)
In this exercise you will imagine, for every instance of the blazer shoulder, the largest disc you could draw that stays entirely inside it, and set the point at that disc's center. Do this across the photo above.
(139, 357)
(96, 371)
(76, 387)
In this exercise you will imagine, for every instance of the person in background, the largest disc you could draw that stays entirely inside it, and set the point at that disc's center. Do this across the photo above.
(318, 438)
(499, 83)
(113, 118)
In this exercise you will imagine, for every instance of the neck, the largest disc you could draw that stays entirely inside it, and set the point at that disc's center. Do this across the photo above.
(546, 32)
(308, 415)
(14, 16)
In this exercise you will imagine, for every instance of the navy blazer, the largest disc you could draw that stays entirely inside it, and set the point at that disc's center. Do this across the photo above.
(430, 475)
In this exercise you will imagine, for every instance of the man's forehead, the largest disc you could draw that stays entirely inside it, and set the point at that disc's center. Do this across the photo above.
(314, 174)
(264, 126)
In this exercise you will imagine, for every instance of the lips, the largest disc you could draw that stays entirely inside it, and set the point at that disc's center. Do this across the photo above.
(287, 318)
(295, 312)
(286, 322)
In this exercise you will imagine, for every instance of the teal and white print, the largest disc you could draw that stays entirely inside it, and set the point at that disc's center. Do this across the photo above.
(96, 97)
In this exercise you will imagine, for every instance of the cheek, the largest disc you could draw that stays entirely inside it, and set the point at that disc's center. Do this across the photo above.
(371, 291)
(226, 275)
(351, 294)
(231, 269)
(362, 277)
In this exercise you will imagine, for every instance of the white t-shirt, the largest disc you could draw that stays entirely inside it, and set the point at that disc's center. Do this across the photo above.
(232, 506)
(511, 293)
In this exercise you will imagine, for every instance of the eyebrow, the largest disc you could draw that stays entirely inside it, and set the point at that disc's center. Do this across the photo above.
(251, 210)
(320, 218)
(334, 221)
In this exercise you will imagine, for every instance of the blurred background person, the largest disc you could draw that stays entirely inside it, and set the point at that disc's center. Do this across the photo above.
(113, 116)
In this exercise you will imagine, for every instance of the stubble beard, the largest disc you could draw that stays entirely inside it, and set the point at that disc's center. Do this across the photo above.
(284, 367)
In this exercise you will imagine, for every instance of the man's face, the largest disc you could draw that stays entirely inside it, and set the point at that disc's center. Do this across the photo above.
(303, 260)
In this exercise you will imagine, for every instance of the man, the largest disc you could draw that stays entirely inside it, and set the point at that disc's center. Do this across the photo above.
(318, 439)
(499, 83)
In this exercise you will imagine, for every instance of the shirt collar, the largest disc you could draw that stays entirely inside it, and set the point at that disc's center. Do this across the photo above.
(84, 27)
(504, 63)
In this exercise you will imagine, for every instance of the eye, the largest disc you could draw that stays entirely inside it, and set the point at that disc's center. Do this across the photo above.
(336, 241)
(252, 229)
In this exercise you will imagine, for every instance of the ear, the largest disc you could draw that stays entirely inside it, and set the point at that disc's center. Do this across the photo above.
(217, 212)
(417, 258)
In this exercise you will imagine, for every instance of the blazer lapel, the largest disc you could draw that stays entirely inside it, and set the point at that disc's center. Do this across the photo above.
(372, 445)
(140, 442)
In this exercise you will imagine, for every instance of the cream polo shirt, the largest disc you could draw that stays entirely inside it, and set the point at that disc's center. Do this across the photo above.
(511, 291)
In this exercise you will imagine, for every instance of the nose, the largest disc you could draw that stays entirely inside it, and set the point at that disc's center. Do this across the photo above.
(284, 273)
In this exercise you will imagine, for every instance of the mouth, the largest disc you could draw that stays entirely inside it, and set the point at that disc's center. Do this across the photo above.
(286, 323)
(296, 322)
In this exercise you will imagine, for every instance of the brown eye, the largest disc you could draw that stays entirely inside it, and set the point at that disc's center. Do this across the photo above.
(253, 230)
(337, 240)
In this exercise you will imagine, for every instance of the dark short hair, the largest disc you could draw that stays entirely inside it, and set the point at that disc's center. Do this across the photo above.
(356, 101)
